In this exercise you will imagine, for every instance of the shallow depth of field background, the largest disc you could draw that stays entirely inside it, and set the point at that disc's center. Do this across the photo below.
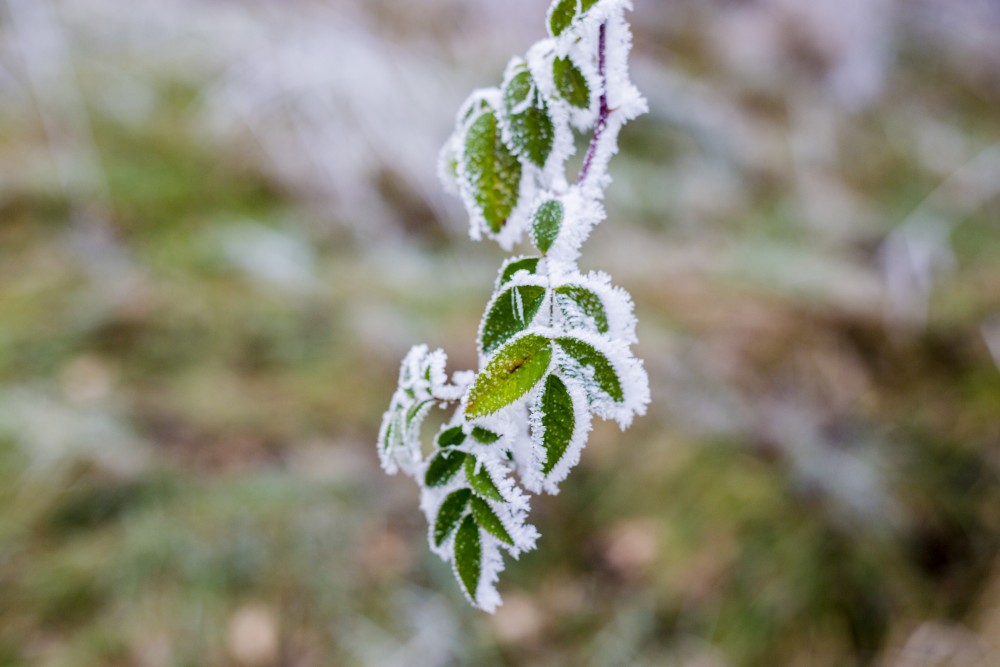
(221, 229)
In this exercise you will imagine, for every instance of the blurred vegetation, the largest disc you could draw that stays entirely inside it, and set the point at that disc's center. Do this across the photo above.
(195, 354)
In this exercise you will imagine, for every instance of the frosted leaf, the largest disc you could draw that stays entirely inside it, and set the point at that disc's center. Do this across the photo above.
(553, 342)
(560, 424)
(422, 384)
(509, 313)
(580, 216)
(614, 381)
(512, 267)
(575, 293)
(546, 222)
(528, 128)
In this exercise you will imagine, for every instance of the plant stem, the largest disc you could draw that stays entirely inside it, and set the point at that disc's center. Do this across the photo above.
(602, 117)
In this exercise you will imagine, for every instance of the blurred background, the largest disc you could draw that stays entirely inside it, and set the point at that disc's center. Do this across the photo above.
(221, 230)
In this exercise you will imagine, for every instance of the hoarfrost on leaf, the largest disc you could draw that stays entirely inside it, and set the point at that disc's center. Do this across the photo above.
(554, 343)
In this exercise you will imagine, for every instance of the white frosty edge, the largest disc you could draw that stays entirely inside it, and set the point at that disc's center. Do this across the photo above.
(535, 479)
(629, 369)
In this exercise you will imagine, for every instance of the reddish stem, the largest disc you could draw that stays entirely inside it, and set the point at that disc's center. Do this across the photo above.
(602, 117)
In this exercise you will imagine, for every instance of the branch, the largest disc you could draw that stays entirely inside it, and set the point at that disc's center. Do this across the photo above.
(602, 118)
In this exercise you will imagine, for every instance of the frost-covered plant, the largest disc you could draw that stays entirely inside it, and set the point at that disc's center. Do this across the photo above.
(554, 343)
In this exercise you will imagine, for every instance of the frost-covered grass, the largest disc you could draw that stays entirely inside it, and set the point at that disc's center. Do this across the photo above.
(187, 477)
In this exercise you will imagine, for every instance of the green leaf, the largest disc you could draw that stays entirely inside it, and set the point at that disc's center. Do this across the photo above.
(489, 521)
(415, 411)
(588, 356)
(443, 467)
(468, 555)
(484, 436)
(529, 264)
(450, 514)
(451, 437)
(558, 421)
(547, 221)
(492, 170)
(480, 481)
(511, 313)
(563, 13)
(571, 83)
(527, 116)
(510, 374)
(588, 302)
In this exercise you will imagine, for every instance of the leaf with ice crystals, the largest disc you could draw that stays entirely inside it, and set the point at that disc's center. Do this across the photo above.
(510, 313)
(422, 384)
(595, 367)
(450, 513)
(571, 83)
(545, 223)
(581, 304)
(489, 521)
(443, 467)
(468, 555)
(526, 115)
(514, 265)
(560, 422)
(480, 480)
(484, 436)
(613, 380)
(451, 437)
(491, 172)
(564, 12)
(510, 374)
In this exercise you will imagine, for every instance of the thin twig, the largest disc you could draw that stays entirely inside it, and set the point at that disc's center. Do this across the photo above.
(602, 117)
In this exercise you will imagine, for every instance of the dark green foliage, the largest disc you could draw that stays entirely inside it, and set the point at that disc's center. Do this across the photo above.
(484, 436)
(527, 118)
(489, 521)
(451, 437)
(511, 313)
(586, 355)
(468, 555)
(589, 304)
(450, 514)
(546, 223)
(480, 480)
(558, 421)
(571, 83)
(529, 264)
(443, 467)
